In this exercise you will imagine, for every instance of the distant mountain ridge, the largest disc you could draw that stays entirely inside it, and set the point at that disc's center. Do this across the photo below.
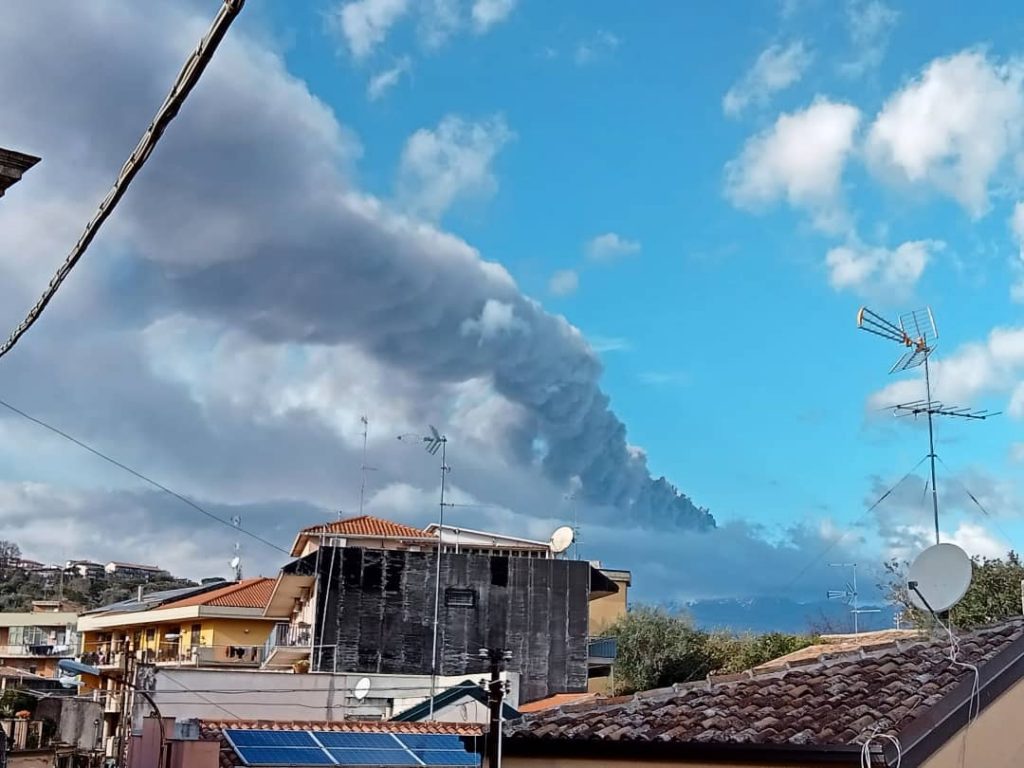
(778, 614)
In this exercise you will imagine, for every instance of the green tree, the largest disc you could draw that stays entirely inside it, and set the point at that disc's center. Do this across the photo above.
(994, 594)
(10, 554)
(657, 648)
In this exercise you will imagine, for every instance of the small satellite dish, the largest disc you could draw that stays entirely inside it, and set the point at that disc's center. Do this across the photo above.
(235, 561)
(362, 689)
(70, 682)
(562, 539)
(941, 574)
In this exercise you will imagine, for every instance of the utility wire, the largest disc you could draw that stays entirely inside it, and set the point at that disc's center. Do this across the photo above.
(860, 517)
(140, 476)
(186, 81)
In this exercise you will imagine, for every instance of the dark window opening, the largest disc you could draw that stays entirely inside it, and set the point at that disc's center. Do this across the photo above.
(460, 598)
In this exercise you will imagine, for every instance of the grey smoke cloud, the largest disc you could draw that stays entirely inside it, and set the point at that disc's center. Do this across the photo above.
(247, 216)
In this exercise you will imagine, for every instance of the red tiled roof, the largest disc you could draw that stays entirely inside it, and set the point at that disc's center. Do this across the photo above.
(557, 700)
(211, 729)
(830, 701)
(251, 593)
(366, 525)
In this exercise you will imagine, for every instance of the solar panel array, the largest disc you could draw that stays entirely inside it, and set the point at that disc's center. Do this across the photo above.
(369, 750)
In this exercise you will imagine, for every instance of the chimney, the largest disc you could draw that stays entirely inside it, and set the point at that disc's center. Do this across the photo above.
(139, 594)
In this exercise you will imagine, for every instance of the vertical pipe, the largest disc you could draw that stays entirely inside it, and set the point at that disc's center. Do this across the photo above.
(437, 577)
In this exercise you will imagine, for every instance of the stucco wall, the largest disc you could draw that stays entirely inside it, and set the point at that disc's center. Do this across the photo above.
(606, 610)
(994, 740)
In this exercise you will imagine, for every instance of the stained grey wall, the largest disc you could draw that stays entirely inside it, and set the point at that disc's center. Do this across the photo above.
(375, 612)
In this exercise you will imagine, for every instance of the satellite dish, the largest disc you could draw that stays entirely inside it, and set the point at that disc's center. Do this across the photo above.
(941, 574)
(562, 539)
(362, 689)
(235, 561)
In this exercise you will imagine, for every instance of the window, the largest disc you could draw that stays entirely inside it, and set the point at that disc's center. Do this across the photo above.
(459, 598)
(196, 634)
(150, 634)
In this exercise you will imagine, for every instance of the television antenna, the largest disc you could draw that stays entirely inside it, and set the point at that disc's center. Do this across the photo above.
(433, 443)
(850, 596)
(571, 497)
(917, 332)
(363, 468)
(236, 561)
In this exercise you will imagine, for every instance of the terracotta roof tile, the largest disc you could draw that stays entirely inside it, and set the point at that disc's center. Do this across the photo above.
(251, 593)
(558, 700)
(211, 729)
(366, 525)
(831, 702)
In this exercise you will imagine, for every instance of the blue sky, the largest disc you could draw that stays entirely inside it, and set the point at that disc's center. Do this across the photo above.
(707, 193)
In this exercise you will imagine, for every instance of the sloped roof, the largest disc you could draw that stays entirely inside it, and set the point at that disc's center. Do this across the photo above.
(828, 703)
(557, 700)
(362, 525)
(833, 644)
(250, 593)
(458, 692)
(212, 729)
(151, 600)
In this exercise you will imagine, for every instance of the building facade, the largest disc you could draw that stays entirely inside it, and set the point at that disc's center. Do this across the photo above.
(35, 641)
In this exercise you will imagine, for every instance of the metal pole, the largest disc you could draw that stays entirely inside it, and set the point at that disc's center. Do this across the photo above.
(856, 612)
(931, 445)
(437, 577)
(495, 694)
(362, 481)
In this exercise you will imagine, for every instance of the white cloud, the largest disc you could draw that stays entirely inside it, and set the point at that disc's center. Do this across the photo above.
(1017, 453)
(451, 162)
(976, 541)
(610, 246)
(387, 79)
(1017, 267)
(608, 343)
(870, 24)
(776, 69)
(876, 270)
(487, 13)
(603, 43)
(991, 367)
(564, 282)
(799, 159)
(952, 127)
(365, 23)
(664, 378)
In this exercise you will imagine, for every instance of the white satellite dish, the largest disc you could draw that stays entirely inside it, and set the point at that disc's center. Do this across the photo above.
(941, 574)
(235, 561)
(362, 689)
(562, 539)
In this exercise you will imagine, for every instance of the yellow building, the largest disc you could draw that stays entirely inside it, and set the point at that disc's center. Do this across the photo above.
(226, 625)
(604, 612)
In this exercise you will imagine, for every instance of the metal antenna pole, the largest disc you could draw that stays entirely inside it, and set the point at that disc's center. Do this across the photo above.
(362, 482)
(856, 607)
(437, 577)
(931, 445)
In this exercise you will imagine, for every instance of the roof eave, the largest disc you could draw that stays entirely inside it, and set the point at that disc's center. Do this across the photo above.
(639, 750)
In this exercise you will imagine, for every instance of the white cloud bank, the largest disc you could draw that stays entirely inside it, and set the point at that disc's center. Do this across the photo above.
(776, 69)
(872, 270)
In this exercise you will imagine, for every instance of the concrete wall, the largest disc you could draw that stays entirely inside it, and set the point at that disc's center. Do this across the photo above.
(375, 611)
(34, 759)
(267, 695)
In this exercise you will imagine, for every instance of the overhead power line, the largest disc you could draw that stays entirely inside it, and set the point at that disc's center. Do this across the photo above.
(139, 475)
(186, 81)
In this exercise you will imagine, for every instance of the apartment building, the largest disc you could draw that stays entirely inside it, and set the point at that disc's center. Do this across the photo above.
(34, 641)
(133, 570)
(360, 598)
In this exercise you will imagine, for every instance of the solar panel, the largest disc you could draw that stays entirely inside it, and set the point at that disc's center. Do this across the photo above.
(375, 757)
(335, 739)
(242, 738)
(439, 749)
(284, 756)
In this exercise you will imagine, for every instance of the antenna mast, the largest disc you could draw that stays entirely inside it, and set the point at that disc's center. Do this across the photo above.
(917, 332)
(571, 498)
(363, 468)
(851, 596)
(236, 560)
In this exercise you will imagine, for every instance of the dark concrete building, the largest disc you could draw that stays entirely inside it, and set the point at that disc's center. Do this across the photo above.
(12, 166)
(375, 607)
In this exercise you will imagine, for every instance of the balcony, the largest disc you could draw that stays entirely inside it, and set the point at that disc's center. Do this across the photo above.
(287, 644)
(41, 650)
(25, 734)
(227, 655)
(601, 651)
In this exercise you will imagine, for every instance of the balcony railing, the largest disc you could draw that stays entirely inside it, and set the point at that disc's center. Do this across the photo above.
(42, 649)
(229, 655)
(25, 734)
(602, 649)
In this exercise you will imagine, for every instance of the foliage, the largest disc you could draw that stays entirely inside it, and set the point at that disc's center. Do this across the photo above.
(10, 553)
(657, 648)
(13, 701)
(994, 594)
